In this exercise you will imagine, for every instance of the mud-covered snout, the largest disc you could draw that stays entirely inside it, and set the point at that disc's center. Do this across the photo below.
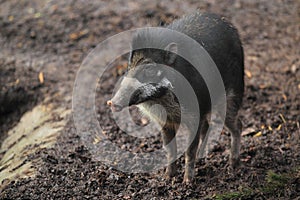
(122, 97)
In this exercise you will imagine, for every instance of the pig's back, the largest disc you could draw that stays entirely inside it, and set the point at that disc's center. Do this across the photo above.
(221, 40)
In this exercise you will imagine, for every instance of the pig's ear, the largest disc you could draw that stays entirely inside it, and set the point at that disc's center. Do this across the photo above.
(171, 53)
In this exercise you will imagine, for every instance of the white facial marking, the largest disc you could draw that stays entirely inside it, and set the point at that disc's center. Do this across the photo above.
(149, 90)
(165, 82)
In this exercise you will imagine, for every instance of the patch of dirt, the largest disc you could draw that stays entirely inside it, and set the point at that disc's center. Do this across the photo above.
(19, 92)
(55, 36)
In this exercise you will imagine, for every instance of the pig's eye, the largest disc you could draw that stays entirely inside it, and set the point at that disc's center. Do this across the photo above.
(158, 74)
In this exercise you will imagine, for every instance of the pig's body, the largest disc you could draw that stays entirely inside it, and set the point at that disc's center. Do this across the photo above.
(220, 39)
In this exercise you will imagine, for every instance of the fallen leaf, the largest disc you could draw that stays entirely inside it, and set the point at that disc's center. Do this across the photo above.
(11, 18)
(252, 58)
(41, 77)
(248, 73)
(263, 86)
(13, 83)
(75, 36)
(270, 128)
(37, 15)
(284, 97)
(294, 68)
(282, 118)
(258, 134)
(96, 140)
(279, 127)
(83, 32)
(19, 45)
(142, 145)
(248, 131)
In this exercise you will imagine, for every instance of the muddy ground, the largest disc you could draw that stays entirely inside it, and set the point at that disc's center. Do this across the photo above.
(43, 44)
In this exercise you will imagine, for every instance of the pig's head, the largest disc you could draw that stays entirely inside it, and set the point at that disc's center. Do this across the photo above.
(146, 79)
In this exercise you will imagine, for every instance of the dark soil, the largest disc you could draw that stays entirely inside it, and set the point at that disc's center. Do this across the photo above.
(53, 37)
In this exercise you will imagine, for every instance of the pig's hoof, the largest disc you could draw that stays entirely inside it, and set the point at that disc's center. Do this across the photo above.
(171, 172)
(234, 163)
(187, 180)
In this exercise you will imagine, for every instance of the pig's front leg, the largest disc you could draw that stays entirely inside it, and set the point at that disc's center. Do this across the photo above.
(190, 156)
(169, 142)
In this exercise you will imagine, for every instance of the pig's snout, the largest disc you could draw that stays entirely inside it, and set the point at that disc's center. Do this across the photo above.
(122, 98)
(114, 107)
